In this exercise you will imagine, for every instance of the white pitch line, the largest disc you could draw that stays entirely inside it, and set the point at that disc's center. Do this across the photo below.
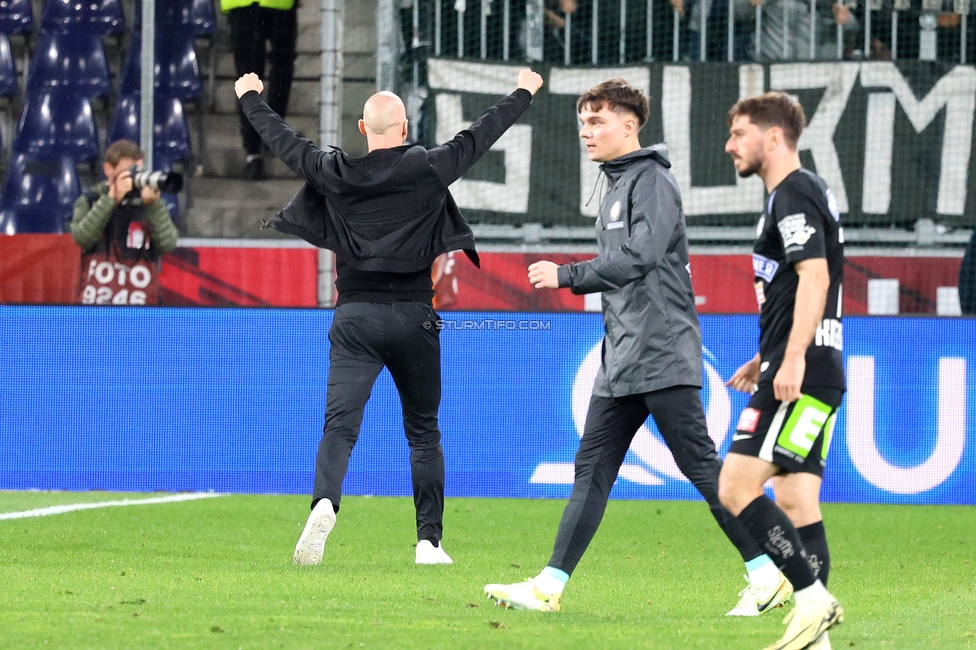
(72, 507)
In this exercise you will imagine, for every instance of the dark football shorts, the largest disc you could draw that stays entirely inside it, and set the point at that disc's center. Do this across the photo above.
(792, 435)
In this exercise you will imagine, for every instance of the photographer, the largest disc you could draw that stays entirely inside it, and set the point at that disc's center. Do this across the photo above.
(122, 230)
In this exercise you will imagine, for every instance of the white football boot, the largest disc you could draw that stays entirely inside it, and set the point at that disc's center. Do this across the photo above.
(523, 595)
(757, 599)
(805, 625)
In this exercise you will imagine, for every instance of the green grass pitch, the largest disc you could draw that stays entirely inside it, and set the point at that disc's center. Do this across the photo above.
(217, 573)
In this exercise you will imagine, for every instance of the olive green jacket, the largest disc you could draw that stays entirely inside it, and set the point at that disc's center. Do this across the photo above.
(88, 221)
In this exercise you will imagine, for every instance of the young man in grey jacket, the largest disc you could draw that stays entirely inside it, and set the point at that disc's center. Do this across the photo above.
(652, 356)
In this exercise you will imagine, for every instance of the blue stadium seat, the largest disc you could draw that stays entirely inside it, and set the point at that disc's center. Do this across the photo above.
(97, 17)
(70, 62)
(38, 195)
(8, 70)
(204, 18)
(171, 137)
(57, 123)
(177, 73)
(16, 16)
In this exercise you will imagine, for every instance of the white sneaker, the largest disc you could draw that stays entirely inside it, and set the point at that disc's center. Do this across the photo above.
(427, 553)
(756, 599)
(311, 545)
(822, 643)
(523, 595)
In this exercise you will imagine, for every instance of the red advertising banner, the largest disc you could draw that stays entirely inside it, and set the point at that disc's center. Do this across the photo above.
(45, 269)
(39, 269)
(723, 283)
(241, 277)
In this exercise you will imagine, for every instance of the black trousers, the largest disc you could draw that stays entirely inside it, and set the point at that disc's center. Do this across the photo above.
(609, 429)
(402, 336)
(251, 28)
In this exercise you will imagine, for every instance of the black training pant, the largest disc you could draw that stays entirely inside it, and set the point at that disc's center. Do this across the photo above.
(251, 28)
(403, 337)
(610, 427)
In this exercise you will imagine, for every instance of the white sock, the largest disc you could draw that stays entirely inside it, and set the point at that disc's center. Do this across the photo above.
(811, 596)
(765, 576)
(548, 584)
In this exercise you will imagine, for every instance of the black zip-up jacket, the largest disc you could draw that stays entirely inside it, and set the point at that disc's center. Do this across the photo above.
(652, 338)
(389, 211)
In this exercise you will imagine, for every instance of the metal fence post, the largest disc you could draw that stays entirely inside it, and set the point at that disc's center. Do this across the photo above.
(387, 45)
(507, 30)
(650, 31)
(567, 39)
(730, 37)
(535, 30)
(437, 27)
(595, 33)
(813, 29)
(704, 28)
(460, 29)
(623, 31)
(147, 104)
(674, 36)
(758, 32)
(483, 26)
(867, 29)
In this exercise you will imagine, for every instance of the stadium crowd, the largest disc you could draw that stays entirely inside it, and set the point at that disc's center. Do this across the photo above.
(692, 30)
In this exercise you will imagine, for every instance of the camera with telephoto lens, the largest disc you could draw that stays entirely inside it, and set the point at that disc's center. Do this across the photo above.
(167, 182)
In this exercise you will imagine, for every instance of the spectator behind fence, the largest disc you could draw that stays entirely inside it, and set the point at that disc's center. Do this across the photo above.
(554, 17)
(253, 24)
(717, 34)
(122, 231)
(938, 26)
(786, 29)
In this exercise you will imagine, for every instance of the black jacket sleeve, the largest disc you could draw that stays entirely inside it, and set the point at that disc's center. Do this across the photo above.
(655, 213)
(299, 154)
(452, 159)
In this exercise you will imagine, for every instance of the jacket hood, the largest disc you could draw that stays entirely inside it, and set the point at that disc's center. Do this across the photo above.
(657, 153)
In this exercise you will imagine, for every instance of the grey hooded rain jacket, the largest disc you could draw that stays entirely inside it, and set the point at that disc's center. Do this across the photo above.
(652, 337)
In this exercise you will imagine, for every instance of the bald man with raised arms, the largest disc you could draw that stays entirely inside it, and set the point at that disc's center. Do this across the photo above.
(386, 216)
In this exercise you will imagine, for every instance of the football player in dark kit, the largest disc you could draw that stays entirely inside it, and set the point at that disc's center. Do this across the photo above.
(797, 378)
(387, 216)
(652, 350)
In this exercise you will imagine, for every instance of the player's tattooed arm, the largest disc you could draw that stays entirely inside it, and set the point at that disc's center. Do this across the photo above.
(811, 298)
